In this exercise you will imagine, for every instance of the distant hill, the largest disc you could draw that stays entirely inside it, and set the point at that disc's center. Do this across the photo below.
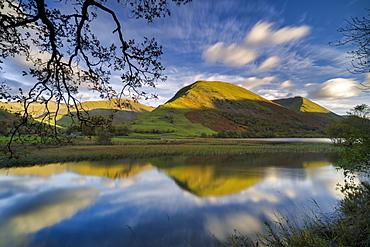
(308, 108)
(122, 110)
(212, 106)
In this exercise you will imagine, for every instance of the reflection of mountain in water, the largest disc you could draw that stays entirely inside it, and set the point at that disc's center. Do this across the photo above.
(224, 175)
(204, 181)
(111, 169)
(202, 176)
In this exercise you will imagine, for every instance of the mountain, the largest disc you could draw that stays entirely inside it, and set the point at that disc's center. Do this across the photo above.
(122, 110)
(308, 108)
(202, 108)
(212, 106)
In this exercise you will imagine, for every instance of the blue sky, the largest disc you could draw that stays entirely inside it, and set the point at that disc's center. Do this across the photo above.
(275, 48)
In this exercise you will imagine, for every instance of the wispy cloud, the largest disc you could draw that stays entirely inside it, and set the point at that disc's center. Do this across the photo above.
(262, 32)
(286, 84)
(219, 77)
(253, 82)
(269, 63)
(239, 54)
(233, 55)
(246, 82)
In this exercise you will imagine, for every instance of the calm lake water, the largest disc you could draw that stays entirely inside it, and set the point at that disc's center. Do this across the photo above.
(171, 201)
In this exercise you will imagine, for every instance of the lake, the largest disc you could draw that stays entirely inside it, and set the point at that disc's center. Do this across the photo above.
(168, 201)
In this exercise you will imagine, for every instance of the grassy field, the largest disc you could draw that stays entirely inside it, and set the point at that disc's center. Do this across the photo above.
(167, 119)
(133, 149)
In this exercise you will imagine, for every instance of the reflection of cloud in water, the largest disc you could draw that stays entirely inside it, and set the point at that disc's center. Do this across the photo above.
(143, 196)
(128, 182)
(79, 181)
(256, 195)
(221, 226)
(43, 210)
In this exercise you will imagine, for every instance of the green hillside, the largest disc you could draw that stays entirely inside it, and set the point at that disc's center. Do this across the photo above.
(120, 110)
(213, 106)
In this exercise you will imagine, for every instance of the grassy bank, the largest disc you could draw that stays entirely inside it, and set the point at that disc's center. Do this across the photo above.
(154, 149)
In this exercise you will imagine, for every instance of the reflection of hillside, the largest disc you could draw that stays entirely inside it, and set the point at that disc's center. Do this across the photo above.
(315, 164)
(209, 176)
(202, 176)
(223, 175)
(111, 169)
(106, 169)
(39, 171)
(207, 181)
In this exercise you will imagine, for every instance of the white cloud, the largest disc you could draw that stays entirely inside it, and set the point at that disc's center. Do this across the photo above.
(333, 88)
(83, 96)
(225, 78)
(287, 34)
(220, 226)
(233, 55)
(269, 63)
(259, 33)
(248, 83)
(253, 82)
(198, 77)
(262, 32)
(286, 84)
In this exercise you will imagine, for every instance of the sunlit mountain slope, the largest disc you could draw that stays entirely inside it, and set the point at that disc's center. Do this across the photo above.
(307, 107)
(218, 106)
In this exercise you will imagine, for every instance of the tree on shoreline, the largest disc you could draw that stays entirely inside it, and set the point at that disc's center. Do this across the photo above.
(354, 135)
(69, 53)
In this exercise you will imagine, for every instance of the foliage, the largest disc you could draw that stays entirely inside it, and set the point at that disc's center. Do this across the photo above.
(355, 208)
(70, 54)
(362, 111)
(121, 130)
(346, 129)
(353, 134)
(104, 137)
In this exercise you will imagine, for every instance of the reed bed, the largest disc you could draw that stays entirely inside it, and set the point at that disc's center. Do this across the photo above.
(134, 150)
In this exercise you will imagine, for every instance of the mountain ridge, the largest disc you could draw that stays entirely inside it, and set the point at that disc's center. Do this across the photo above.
(205, 107)
(309, 108)
(221, 106)
(123, 109)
